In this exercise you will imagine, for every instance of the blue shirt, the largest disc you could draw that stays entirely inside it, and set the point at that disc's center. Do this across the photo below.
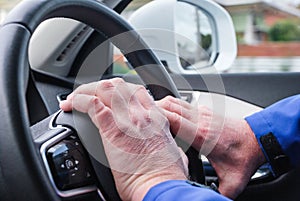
(282, 119)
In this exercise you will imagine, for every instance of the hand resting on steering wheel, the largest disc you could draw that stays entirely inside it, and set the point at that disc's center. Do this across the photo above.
(135, 133)
(232, 147)
(140, 148)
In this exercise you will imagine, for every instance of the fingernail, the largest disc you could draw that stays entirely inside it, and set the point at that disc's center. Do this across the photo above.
(62, 104)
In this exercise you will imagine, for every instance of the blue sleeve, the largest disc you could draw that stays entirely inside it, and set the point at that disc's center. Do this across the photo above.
(181, 190)
(283, 120)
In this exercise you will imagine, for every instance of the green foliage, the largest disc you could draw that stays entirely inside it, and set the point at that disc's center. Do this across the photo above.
(206, 41)
(285, 31)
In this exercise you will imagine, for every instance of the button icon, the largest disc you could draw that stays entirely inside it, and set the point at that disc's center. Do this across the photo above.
(70, 164)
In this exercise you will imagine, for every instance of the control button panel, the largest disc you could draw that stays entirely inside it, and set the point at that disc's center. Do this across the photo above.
(69, 164)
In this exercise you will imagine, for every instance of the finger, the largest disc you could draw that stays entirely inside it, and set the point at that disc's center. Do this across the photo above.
(88, 89)
(84, 103)
(87, 104)
(128, 110)
(93, 88)
(107, 88)
(65, 105)
(124, 97)
(184, 129)
(102, 89)
(179, 102)
(143, 96)
(178, 108)
(135, 96)
(98, 112)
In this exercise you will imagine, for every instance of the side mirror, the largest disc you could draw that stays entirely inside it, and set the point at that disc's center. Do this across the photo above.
(189, 36)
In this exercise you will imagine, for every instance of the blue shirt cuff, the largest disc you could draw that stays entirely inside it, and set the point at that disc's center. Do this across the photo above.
(181, 190)
(260, 127)
(283, 120)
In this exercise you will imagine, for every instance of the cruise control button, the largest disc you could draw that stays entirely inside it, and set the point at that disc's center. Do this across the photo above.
(70, 164)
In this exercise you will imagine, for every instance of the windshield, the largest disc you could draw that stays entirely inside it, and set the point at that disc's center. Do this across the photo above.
(5, 7)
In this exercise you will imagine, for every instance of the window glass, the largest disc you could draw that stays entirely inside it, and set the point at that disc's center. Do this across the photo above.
(5, 7)
(194, 38)
(121, 65)
(268, 35)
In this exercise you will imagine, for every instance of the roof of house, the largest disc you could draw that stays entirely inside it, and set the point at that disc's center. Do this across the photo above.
(280, 6)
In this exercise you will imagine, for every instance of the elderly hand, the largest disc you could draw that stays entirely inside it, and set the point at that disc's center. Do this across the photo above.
(135, 134)
(229, 144)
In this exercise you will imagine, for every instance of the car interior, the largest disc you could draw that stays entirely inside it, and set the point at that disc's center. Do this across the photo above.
(48, 48)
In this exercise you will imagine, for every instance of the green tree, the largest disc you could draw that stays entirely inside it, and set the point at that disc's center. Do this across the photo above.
(206, 41)
(286, 30)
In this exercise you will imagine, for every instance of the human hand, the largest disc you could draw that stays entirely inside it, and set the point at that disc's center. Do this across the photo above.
(229, 144)
(135, 134)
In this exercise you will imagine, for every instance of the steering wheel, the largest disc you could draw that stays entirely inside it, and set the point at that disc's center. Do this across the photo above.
(22, 170)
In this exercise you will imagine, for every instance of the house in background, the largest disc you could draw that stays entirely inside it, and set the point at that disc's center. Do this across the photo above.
(253, 18)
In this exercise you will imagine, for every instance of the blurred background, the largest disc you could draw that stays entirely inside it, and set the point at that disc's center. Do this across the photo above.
(5, 7)
(268, 32)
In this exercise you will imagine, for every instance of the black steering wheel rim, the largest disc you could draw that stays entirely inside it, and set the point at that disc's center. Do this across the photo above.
(16, 140)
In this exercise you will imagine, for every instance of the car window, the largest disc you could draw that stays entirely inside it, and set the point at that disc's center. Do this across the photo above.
(120, 64)
(5, 7)
(268, 35)
(267, 32)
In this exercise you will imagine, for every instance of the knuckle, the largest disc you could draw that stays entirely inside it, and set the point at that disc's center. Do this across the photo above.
(143, 91)
(203, 130)
(102, 113)
(176, 118)
(94, 104)
(79, 89)
(169, 98)
(166, 104)
(117, 80)
(94, 100)
(204, 112)
(141, 88)
(105, 84)
(203, 109)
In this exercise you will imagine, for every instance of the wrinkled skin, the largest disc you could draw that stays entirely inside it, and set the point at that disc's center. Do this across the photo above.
(135, 133)
(229, 144)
